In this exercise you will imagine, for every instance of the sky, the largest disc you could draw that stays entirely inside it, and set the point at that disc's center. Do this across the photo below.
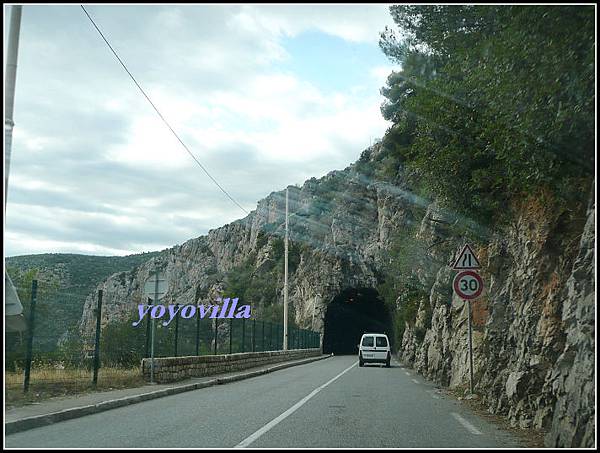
(263, 95)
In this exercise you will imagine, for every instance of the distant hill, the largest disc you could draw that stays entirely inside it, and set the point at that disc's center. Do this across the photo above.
(65, 279)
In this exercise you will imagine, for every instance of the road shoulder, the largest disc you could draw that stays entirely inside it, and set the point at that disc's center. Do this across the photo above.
(66, 408)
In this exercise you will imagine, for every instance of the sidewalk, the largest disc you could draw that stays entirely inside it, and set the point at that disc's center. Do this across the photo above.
(64, 408)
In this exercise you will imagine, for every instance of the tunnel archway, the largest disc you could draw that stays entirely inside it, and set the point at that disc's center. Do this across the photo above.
(351, 313)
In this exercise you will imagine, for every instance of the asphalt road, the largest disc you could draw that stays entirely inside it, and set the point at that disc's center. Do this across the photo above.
(328, 403)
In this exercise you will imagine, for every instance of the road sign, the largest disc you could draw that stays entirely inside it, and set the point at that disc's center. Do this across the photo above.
(466, 259)
(468, 285)
(151, 289)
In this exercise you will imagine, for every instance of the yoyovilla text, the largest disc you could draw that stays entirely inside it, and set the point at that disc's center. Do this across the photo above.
(221, 310)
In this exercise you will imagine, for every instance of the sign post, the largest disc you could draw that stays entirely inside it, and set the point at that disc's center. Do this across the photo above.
(468, 285)
(155, 288)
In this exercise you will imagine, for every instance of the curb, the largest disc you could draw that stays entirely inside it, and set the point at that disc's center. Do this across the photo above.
(37, 421)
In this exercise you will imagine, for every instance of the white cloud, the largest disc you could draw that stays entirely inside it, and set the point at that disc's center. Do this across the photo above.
(90, 154)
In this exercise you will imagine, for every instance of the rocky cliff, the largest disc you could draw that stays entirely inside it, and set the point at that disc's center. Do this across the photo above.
(533, 328)
(340, 227)
(533, 337)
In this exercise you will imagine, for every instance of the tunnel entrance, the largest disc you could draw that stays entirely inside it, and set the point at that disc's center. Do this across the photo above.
(351, 313)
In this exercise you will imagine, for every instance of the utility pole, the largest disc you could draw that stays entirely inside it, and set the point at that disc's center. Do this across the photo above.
(11, 77)
(153, 327)
(13, 309)
(285, 284)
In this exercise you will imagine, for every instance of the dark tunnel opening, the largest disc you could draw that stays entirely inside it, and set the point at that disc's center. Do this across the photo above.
(351, 313)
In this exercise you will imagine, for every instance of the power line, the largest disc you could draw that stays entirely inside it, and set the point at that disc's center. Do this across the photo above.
(158, 112)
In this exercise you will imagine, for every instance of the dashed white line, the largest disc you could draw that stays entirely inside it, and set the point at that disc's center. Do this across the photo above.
(433, 394)
(465, 423)
(248, 440)
(407, 373)
(415, 381)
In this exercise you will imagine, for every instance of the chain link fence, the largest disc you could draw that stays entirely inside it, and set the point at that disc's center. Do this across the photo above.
(53, 357)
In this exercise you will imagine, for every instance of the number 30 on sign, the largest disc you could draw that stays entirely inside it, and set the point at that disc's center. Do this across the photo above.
(468, 285)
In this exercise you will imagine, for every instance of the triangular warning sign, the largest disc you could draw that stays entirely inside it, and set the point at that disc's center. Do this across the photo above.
(466, 259)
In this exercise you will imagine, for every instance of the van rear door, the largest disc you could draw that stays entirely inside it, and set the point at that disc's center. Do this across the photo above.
(368, 346)
(381, 348)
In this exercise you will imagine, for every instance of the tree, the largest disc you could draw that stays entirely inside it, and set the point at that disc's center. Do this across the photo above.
(493, 102)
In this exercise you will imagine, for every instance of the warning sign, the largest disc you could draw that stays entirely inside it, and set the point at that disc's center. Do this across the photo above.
(466, 259)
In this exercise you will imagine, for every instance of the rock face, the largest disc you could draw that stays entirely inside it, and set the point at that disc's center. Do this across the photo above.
(533, 335)
(341, 241)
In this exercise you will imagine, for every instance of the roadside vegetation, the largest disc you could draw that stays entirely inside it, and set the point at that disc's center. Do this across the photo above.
(493, 107)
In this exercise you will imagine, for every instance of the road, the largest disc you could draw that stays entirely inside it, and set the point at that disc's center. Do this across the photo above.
(328, 403)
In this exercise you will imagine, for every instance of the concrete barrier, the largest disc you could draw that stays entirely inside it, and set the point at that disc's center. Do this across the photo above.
(172, 369)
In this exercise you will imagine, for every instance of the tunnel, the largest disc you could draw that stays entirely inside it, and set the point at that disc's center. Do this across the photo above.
(351, 313)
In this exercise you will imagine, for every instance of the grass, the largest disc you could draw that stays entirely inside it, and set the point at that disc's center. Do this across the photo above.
(47, 382)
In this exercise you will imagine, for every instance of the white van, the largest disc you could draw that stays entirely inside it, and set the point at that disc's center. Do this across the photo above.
(374, 347)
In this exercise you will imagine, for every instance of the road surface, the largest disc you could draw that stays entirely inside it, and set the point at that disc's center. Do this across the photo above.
(328, 403)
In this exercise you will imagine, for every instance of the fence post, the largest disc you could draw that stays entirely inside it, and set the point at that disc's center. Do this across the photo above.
(253, 335)
(147, 349)
(30, 336)
(197, 321)
(243, 334)
(176, 327)
(270, 336)
(230, 333)
(216, 326)
(198, 335)
(262, 343)
(97, 342)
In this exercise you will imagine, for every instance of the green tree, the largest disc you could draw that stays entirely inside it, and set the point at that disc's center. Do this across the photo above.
(493, 102)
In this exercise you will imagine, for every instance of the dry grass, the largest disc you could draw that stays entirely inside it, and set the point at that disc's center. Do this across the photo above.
(46, 382)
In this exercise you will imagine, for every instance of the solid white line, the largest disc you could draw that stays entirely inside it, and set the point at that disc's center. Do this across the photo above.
(465, 423)
(248, 440)
(415, 381)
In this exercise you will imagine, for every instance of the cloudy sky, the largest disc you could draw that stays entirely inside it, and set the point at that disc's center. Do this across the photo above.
(263, 95)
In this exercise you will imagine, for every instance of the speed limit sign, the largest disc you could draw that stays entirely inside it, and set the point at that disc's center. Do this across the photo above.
(468, 285)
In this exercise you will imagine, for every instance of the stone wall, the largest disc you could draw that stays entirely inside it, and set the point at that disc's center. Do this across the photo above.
(171, 369)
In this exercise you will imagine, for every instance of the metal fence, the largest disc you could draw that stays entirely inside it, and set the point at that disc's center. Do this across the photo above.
(52, 357)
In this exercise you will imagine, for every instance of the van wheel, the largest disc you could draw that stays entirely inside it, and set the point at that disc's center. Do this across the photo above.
(360, 361)
(387, 362)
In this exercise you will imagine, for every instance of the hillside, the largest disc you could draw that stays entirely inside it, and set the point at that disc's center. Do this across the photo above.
(64, 282)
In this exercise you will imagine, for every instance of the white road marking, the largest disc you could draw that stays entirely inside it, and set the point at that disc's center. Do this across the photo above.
(465, 423)
(415, 381)
(248, 440)
(433, 394)
(407, 373)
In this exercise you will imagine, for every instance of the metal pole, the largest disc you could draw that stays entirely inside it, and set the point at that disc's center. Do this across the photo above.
(243, 334)
(153, 326)
(230, 333)
(270, 336)
(470, 347)
(30, 337)
(197, 323)
(97, 343)
(147, 348)
(253, 335)
(176, 327)
(12, 53)
(285, 284)
(262, 343)
(216, 326)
